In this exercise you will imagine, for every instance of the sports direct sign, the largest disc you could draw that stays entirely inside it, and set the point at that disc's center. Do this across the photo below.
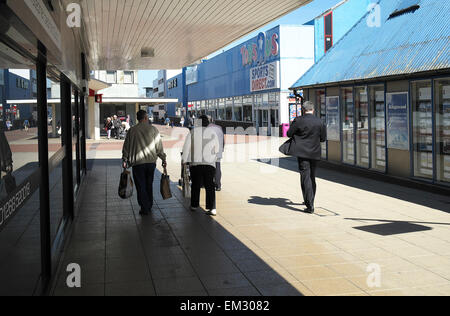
(264, 77)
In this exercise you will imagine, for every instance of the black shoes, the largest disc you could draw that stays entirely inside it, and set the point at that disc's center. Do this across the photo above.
(144, 213)
(310, 210)
(218, 189)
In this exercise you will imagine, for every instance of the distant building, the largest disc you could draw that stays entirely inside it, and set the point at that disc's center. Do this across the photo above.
(334, 23)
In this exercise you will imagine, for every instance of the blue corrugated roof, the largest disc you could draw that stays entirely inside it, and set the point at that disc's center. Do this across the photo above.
(410, 43)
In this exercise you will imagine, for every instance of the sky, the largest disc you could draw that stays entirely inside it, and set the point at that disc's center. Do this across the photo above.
(299, 16)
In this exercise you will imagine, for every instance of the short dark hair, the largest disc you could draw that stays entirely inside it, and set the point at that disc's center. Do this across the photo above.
(205, 120)
(141, 115)
(308, 106)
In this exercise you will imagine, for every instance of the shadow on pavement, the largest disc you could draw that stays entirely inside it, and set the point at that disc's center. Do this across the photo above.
(426, 199)
(172, 251)
(281, 202)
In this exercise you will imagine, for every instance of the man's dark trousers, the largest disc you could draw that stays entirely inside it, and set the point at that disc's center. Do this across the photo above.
(218, 176)
(307, 169)
(206, 174)
(143, 178)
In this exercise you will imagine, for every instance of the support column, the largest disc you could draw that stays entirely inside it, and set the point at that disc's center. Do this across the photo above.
(44, 189)
(185, 96)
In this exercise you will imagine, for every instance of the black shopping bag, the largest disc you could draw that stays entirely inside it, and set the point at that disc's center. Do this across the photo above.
(126, 185)
(165, 186)
(288, 147)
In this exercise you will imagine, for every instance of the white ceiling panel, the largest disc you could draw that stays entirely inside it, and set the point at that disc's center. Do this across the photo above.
(179, 32)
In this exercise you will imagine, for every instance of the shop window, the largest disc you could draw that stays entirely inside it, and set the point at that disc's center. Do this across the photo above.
(128, 77)
(229, 109)
(111, 77)
(362, 127)
(237, 109)
(221, 109)
(247, 109)
(422, 129)
(442, 109)
(348, 125)
(378, 123)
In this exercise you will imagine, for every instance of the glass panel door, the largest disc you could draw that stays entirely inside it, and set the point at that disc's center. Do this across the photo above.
(362, 127)
(442, 101)
(422, 129)
(378, 134)
(348, 125)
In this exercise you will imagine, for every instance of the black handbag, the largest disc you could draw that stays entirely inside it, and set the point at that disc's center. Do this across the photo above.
(288, 147)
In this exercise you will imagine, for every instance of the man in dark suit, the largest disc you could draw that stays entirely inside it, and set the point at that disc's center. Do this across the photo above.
(308, 131)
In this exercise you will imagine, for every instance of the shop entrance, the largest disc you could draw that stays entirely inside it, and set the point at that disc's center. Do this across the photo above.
(262, 121)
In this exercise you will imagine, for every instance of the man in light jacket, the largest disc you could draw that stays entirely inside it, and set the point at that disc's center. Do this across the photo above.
(142, 147)
(308, 131)
(201, 150)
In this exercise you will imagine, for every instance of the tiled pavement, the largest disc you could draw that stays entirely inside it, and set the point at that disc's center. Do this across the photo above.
(261, 243)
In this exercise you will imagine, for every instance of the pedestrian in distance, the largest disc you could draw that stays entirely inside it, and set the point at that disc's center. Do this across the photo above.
(308, 131)
(26, 125)
(141, 150)
(108, 127)
(117, 124)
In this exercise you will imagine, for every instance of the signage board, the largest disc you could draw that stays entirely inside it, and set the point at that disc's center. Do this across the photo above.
(44, 17)
(333, 121)
(191, 75)
(265, 77)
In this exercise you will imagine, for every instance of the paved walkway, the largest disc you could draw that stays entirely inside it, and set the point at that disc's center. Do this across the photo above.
(367, 237)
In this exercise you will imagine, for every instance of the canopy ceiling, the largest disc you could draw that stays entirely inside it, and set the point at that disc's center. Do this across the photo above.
(171, 33)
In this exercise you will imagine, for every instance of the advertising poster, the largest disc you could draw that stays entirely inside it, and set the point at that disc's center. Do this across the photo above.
(292, 112)
(397, 121)
(333, 130)
(264, 77)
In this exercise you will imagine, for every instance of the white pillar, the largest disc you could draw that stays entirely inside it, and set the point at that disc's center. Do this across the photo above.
(93, 119)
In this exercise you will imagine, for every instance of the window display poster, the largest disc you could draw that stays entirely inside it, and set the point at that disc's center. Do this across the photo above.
(397, 120)
(333, 129)
(292, 111)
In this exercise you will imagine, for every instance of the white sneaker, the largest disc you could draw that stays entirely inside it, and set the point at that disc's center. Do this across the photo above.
(212, 212)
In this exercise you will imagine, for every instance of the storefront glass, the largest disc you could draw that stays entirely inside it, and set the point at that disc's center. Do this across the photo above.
(362, 128)
(321, 112)
(20, 259)
(248, 108)
(348, 124)
(237, 109)
(221, 109)
(378, 135)
(203, 107)
(442, 108)
(229, 109)
(422, 129)
(55, 153)
(212, 108)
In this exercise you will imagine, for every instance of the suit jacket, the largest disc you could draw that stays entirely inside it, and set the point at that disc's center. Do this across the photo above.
(308, 132)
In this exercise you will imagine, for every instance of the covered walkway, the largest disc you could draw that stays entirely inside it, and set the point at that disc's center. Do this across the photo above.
(261, 243)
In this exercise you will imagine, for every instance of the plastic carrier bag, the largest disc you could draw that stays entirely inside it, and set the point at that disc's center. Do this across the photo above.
(126, 185)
